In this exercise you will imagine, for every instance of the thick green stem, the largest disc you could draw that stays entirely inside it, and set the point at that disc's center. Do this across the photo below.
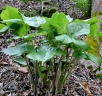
(70, 71)
(58, 75)
(66, 49)
(71, 62)
(65, 69)
(54, 79)
(31, 75)
(36, 74)
(30, 68)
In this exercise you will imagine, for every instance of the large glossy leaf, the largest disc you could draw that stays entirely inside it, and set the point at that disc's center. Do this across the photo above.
(15, 26)
(36, 56)
(46, 25)
(57, 51)
(93, 29)
(99, 34)
(92, 20)
(41, 56)
(15, 51)
(33, 21)
(78, 28)
(45, 53)
(60, 21)
(69, 18)
(22, 30)
(19, 49)
(5, 29)
(1, 26)
(20, 60)
(93, 25)
(26, 48)
(12, 21)
(64, 39)
(79, 55)
(10, 13)
(94, 59)
(80, 44)
(5, 15)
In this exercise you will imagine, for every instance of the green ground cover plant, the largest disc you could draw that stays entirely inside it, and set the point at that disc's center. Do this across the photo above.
(84, 6)
(60, 51)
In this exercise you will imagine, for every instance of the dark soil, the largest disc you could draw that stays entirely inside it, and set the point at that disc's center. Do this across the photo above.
(16, 83)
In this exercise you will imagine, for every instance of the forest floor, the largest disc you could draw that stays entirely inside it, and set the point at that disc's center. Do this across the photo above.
(15, 82)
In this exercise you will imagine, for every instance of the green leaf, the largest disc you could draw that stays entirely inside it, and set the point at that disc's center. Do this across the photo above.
(20, 60)
(60, 21)
(94, 59)
(48, 55)
(79, 55)
(19, 49)
(46, 27)
(69, 18)
(64, 39)
(41, 56)
(28, 48)
(36, 55)
(10, 13)
(15, 51)
(92, 20)
(2, 26)
(15, 26)
(57, 51)
(33, 21)
(12, 21)
(78, 28)
(80, 44)
(5, 29)
(5, 15)
(99, 34)
(22, 30)
(45, 53)
(93, 29)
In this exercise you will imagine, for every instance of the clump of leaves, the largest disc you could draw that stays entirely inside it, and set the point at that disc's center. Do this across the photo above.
(51, 62)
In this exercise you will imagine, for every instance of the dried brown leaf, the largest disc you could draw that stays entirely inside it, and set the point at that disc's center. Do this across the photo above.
(23, 69)
(11, 44)
(86, 88)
